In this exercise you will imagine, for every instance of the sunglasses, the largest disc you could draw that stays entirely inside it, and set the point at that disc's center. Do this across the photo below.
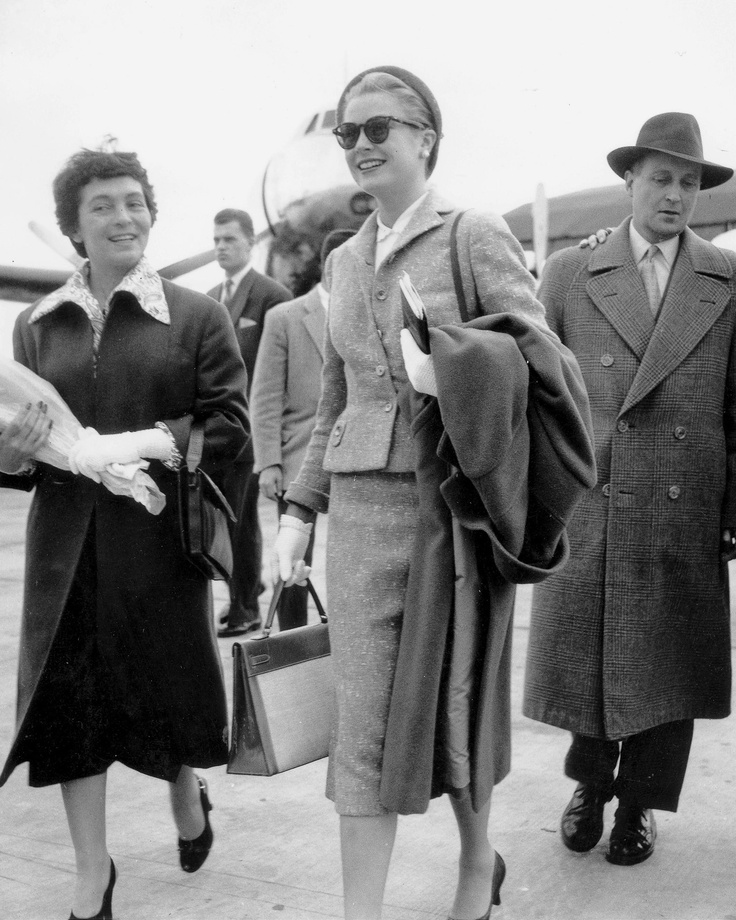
(376, 130)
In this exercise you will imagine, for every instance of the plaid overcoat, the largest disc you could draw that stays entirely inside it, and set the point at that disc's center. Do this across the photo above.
(635, 632)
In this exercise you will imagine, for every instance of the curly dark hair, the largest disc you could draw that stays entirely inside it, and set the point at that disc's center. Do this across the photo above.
(80, 169)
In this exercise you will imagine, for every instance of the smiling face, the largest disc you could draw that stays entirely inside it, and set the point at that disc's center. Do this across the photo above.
(113, 224)
(664, 191)
(393, 172)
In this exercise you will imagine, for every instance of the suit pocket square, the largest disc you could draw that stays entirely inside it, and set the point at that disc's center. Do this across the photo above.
(245, 323)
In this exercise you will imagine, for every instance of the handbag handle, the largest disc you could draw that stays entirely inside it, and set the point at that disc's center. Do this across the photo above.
(195, 446)
(457, 275)
(276, 596)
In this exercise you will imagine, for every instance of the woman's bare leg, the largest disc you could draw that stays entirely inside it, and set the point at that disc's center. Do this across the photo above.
(84, 801)
(475, 876)
(186, 804)
(366, 845)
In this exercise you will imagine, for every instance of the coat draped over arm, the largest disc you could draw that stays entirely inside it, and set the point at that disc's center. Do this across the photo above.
(504, 454)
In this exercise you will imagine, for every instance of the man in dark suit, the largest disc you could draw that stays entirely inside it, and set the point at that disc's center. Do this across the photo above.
(630, 643)
(247, 294)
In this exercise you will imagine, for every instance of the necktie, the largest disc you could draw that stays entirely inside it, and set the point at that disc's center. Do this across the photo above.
(649, 276)
(227, 292)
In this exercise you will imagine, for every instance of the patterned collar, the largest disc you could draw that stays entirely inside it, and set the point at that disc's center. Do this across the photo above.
(142, 281)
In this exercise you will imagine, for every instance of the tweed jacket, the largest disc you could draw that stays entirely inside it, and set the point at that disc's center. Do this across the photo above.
(287, 383)
(360, 426)
(254, 296)
(153, 604)
(635, 632)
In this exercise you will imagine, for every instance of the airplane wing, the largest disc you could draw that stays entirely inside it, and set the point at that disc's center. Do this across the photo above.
(26, 285)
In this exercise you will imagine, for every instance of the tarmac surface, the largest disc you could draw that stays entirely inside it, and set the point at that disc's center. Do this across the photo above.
(276, 849)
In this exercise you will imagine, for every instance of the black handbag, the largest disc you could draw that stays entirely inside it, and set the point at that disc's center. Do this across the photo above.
(203, 515)
(283, 696)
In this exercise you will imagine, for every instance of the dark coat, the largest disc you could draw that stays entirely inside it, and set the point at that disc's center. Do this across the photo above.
(635, 632)
(153, 604)
(497, 486)
(253, 297)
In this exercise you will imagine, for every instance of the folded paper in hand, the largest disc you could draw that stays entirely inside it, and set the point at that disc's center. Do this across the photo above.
(414, 313)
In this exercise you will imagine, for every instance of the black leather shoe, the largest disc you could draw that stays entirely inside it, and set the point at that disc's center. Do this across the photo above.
(242, 629)
(105, 912)
(192, 853)
(582, 820)
(633, 835)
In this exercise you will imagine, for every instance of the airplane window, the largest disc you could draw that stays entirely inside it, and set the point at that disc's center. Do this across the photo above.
(330, 119)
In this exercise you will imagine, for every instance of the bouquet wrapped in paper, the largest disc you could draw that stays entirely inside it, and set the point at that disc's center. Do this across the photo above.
(20, 386)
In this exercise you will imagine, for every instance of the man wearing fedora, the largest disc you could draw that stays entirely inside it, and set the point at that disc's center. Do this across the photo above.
(630, 643)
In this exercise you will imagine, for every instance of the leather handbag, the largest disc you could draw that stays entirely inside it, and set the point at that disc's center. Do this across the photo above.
(283, 696)
(204, 515)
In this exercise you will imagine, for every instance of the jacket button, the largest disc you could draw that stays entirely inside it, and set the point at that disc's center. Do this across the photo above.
(607, 489)
(388, 407)
(606, 360)
(380, 294)
(674, 492)
(622, 425)
(380, 370)
(679, 432)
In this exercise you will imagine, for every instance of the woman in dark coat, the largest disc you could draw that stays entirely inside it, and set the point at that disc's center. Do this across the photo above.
(362, 460)
(118, 660)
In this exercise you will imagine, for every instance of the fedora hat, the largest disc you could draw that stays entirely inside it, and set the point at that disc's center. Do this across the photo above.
(676, 134)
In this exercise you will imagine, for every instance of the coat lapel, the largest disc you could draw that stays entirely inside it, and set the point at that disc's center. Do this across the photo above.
(617, 289)
(314, 319)
(364, 246)
(240, 297)
(696, 297)
(426, 217)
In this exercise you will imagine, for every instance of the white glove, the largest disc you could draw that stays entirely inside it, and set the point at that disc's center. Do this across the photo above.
(93, 452)
(287, 555)
(419, 367)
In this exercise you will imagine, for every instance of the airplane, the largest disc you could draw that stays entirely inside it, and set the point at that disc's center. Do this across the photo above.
(306, 191)
(571, 217)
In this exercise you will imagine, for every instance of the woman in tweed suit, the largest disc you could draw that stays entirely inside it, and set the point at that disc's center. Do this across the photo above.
(361, 456)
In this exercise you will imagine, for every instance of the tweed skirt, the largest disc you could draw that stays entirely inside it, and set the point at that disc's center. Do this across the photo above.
(371, 528)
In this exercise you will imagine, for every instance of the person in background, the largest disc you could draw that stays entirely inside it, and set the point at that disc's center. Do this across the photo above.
(389, 628)
(247, 295)
(293, 260)
(631, 642)
(118, 658)
(286, 388)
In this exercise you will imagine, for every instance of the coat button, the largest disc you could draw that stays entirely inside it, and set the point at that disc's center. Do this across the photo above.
(388, 407)
(674, 492)
(680, 432)
(607, 360)
(622, 425)
(380, 370)
(607, 489)
(380, 294)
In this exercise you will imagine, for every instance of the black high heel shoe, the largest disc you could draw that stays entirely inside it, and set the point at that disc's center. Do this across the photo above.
(192, 853)
(499, 874)
(105, 912)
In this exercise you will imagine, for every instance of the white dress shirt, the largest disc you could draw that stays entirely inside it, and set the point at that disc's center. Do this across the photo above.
(236, 279)
(663, 260)
(388, 237)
